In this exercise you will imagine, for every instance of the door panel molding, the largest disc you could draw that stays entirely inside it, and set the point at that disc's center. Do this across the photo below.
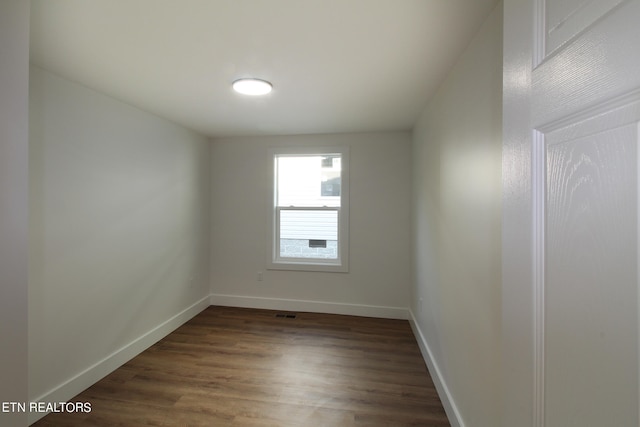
(569, 18)
(539, 32)
(591, 278)
(538, 179)
(595, 66)
(616, 111)
(610, 123)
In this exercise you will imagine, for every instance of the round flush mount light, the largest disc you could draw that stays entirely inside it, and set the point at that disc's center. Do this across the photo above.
(253, 87)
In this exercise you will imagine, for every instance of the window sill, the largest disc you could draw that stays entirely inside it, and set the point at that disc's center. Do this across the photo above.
(307, 265)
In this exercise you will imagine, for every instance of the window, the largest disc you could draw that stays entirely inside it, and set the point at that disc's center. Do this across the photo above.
(309, 211)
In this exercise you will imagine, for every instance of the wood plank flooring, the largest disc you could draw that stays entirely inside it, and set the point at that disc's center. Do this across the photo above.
(248, 368)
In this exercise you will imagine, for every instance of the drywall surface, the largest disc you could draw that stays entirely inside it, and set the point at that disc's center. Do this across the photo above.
(379, 255)
(14, 143)
(119, 228)
(456, 225)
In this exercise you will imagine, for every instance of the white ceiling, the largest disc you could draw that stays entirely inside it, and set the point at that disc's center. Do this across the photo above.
(336, 65)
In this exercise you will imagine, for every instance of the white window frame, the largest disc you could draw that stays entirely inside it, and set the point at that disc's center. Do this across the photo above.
(274, 260)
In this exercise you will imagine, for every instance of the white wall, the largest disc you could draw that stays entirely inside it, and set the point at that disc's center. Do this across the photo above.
(379, 276)
(119, 232)
(457, 251)
(14, 90)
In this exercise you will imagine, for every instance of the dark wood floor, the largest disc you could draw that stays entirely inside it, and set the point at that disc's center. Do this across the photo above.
(244, 367)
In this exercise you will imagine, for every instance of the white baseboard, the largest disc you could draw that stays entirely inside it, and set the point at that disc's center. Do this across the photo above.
(455, 419)
(104, 367)
(310, 306)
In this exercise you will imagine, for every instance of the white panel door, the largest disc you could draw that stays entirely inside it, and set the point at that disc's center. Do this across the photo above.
(581, 97)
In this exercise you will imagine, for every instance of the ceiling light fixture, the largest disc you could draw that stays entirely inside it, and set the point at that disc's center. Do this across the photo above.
(252, 87)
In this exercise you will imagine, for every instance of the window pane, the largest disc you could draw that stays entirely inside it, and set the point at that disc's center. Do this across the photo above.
(308, 180)
(309, 234)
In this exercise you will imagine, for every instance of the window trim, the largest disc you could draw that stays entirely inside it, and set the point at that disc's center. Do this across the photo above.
(274, 261)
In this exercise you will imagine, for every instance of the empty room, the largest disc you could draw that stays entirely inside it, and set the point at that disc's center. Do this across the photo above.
(319, 213)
